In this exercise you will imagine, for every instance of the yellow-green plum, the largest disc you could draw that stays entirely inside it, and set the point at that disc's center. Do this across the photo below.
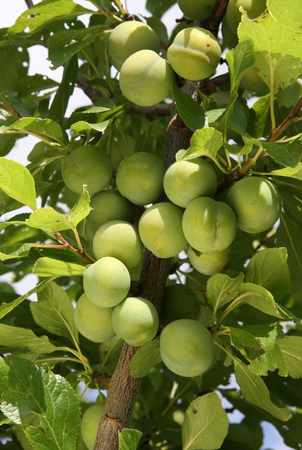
(106, 282)
(187, 347)
(90, 423)
(254, 8)
(160, 230)
(197, 9)
(256, 204)
(186, 180)
(209, 263)
(128, 38)
(88, 165)
(119, 239)
(135, 320)
(208, 225)
(106, 206)
(146, 78)
(92, 321)
(194, 53)
(139, 178)
(180, 302)
(251, 81)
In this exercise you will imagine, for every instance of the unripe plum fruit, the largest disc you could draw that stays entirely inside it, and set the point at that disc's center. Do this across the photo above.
(135, 320)
(251, 81)
(180, 302)
(128, 38)
(209, 263)
(254, 8)
(108, 205)
(139, 178)
(230, 39)
(197, 9)
(88, 165)
(160, 230)
(256, 204)
(145, 78)
(119, 239)
(92, 321)
(194, 54)
(187, 347)
(209, 226)
(90, 423)
(186, 180)
(106, 282)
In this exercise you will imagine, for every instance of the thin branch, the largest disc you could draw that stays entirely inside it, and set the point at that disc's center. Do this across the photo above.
(212, 24)
(291, 118)
(29, 3)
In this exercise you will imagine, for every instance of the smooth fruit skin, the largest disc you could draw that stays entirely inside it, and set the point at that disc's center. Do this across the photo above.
(251, 81)
(180, 302)
(128, 38)
(254, 8)
(88, 165)
(106, 206)
(119, 239)
(145, 78)
(186, 180)
(160, 230)
(90, 423)
(194, 53)
(209, 226)
(92, 321)
(209, 263)
(187, 347)
(256, 204)
(106, 282)
(139, 178)
(135, 320)
(197, 9)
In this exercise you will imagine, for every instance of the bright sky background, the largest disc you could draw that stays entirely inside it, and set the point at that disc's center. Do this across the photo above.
(10, 10)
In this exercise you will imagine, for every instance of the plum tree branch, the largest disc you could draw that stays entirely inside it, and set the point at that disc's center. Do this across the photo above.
(212, 24)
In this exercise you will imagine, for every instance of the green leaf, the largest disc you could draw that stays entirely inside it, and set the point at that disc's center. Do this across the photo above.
(200, 430)
(273, 53)
(260, 298)
(82, 126)
(45, 129)
(17, 182)
(268, 268)
(109, 355)
(287, 154)
(255, 391)
(291, 349)
(128, 439)
(45, 267)
(260, 110)
(15, 251)
(189, 110)
(288, 15)
(160, 7)
(147, 356)
(6, 308)
(44, 403)
(16, 337)
(205, 142)
(54, 312)
(46, 12)
(222, 289)
(21, 436)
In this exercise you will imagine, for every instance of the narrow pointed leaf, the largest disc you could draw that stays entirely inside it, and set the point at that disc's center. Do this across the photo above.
(15, 251)
(48, 267)
(23, 338)
(146, 357)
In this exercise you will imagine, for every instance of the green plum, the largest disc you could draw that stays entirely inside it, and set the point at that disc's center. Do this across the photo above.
(90, 423)
(254, 8)
(180, 302)
(106, 282)
(251, 81)
(187, 347)
(230, 39)
(139, 178)
(92, 321)
(135, 320)
(106, 206)
(209, 263)
(88, 165)
(128, 38)
(146, 78)
(119, 239)
(186, 180)
(160, 230)
(197, 9)
(194, 54)
(209, 226)
(256, 204)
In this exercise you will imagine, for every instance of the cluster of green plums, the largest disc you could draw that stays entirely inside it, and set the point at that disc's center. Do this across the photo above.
(145, 77)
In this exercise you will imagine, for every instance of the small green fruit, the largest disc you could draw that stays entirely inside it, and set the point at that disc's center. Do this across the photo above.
(90, 423)
(254, 8)
(209, 263)
(197, 9)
